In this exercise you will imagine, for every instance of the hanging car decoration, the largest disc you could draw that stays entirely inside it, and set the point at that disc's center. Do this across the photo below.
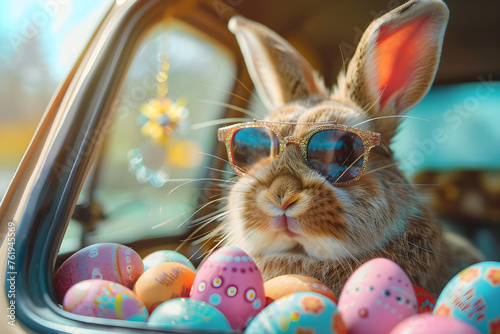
(162, 120)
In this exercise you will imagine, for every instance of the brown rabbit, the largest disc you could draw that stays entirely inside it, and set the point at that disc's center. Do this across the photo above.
(297, 208)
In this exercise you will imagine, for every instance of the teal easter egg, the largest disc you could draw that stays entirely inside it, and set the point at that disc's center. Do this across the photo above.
(161, 256)
(183, 313)
(104, 299)
(301, 312)
(473, 296)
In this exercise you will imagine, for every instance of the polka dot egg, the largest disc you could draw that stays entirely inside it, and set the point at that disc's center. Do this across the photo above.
(230, 281)
(376, 297)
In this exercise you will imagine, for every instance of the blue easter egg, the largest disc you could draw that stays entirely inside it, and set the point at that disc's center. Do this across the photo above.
(188, 313)
(473, 296)
(306, 312)
(166, 256)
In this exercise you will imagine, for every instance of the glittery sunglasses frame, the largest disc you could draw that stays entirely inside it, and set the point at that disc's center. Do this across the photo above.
(370, 139)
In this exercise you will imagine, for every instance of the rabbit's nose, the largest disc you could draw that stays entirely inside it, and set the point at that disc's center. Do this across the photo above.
(283, 202)
(284, 191)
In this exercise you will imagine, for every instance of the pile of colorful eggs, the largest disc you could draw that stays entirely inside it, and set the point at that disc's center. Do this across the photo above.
(227, 293)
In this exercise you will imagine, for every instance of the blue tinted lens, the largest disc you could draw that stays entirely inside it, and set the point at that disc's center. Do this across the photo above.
(253, 147)
(337, 154)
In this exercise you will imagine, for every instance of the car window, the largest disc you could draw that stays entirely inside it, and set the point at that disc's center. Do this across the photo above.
(153, 164)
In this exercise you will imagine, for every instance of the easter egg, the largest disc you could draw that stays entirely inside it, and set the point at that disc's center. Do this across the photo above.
(283, 285)
(425, 300)
(428, 323)
(163, 282)
(106, 261)
(473, 296)
(188, 313)
(376, 297)
(166, 256)
(301, 312)
(230, 281)
(104, 299)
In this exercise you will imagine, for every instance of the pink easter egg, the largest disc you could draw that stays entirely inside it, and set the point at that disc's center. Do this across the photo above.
(230, 281)
(106, 261)
(427, 323)
(104, 299)
(376, 298)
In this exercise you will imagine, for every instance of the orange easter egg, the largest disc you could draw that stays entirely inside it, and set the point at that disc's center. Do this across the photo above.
(281, 286)
(163, 282)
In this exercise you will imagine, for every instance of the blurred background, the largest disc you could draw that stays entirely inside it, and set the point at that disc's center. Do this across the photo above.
(39, 43)
(452, 143)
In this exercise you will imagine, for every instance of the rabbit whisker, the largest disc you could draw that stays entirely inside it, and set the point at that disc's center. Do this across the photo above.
(197, 208)
(215, 122)
(376, 101)
(383, 167)
(390, 116)
(222, 171)
(347, 169)
(220, 212)
(191, 235)
(203, 245)
(365, 110)
(201, 208)
(213, 156)
(257, 98)
(235, 95)
(211, 250)
(197, 180)
(427, 250)
(415, 184)
(230, 106)
(343, 59)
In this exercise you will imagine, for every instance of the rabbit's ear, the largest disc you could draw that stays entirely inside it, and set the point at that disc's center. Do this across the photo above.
(397, 58)
(280, 74)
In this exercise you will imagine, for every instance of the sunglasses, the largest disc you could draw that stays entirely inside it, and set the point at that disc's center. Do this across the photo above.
(336, 151)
